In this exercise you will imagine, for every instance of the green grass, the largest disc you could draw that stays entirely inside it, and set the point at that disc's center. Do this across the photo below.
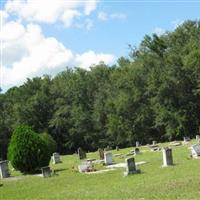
(181, 181)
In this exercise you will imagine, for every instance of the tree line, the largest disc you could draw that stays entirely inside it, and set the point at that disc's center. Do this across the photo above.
(154, 94)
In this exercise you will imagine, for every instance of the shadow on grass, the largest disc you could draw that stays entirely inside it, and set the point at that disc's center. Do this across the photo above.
(60, 170)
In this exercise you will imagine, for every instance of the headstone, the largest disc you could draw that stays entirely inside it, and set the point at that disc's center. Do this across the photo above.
(197, 137)
(108, 148)
(56, 158)
(137, 150)
(130, 166)
(117, 148)
(167, 157)
(81, 153)
(108, 158)
(195, 150)
(46, 171)
(137, 144)
(4, 173)
(86, 167)
(154, 142)
(101, 154)
(186, 139)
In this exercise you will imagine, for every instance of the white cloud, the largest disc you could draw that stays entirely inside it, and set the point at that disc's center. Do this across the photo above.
(103, 16)
(159, 31)
(50, 11)
(68, 17)
(88, 24)
(28, 53)
(90, 5)
(89, 58)
(176, 23)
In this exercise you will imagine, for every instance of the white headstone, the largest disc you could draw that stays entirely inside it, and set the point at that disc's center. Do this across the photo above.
(56, 158)
(197, 137)
(85, 167)
(167, 157)
(108, 158)
(137, 144)
(154, 142)
(195, 150)
(4, 173)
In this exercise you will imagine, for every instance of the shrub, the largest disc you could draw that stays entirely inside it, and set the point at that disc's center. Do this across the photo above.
(27, 151)
(50, 142)
(50, 147)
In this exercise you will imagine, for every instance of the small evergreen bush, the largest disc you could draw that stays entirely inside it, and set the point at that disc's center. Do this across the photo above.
(27, 151)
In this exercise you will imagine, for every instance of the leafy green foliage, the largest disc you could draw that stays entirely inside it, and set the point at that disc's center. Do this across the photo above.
(27, 151)
(50, 142)
(152, 95)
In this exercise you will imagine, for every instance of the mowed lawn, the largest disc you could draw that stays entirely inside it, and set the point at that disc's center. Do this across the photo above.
(181, 181)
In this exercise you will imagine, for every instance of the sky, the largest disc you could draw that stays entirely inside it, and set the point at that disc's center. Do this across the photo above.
(45, 36)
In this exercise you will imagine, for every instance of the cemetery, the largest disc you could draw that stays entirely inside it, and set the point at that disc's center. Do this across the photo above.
(101, 175)
(100, 100)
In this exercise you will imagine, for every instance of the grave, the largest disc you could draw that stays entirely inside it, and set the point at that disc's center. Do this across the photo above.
(108, 148)
(167, 157)
(186, 139)
(101, 154)
(117, 148)
(4, 173)
(137, 144)
(137, 150)
(46, 171)
(195, 150)
(81, 153)
(130, 166)
(154, 142)
(56, 158)
(108, 158)
(197, 137)
(86, 167)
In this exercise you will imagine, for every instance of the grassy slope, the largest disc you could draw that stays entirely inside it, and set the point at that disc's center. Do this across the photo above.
(182, 181)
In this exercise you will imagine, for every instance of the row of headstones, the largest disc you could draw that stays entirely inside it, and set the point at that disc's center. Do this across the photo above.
(131, 166)
(167, 158)
(106, 156)
(46, 171)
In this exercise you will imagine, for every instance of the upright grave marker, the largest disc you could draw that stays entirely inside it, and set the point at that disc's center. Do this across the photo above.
(4, 173)
(46, 171)
(130, 166)
(186, 139)
(56, 158)
(195, 150)
(81, 153)
(167, 157)
(101, 154)
(137, 144)
(108, 158)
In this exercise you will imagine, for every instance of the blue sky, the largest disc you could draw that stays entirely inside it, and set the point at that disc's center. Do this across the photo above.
(43, 37)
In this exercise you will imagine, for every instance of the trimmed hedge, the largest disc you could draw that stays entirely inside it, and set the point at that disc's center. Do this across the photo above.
(27, 151)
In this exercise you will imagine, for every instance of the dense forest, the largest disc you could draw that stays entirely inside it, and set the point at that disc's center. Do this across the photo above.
(154, 94)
